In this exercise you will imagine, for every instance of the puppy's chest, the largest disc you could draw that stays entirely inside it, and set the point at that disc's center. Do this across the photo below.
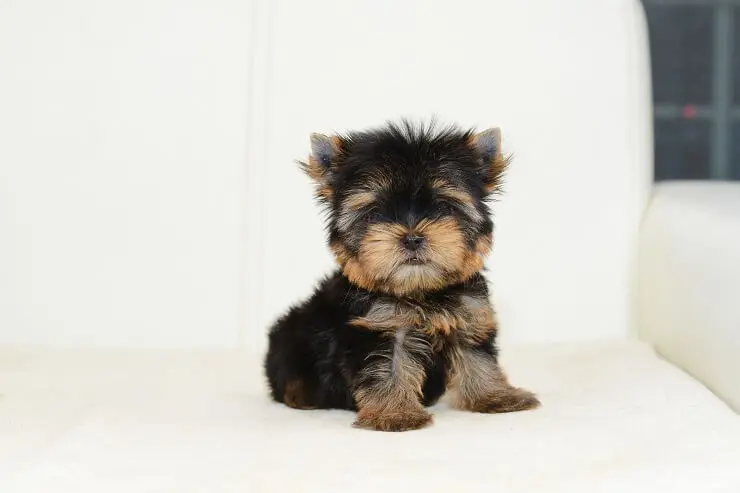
(462, 316)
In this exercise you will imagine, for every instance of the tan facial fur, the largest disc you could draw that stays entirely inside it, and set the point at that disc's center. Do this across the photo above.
(379, 265)
(475, 258)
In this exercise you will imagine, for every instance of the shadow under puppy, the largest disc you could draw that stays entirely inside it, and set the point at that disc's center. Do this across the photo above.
(407, 316)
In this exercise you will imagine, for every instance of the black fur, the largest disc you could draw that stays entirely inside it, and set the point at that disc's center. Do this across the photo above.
(314, 343)
(374, 184)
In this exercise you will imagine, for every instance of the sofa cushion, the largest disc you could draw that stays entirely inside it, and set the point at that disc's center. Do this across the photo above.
(690, 281)
(615, 418)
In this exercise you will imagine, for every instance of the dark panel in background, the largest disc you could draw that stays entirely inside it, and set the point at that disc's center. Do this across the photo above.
(681, 45)
(736, 58)
(681, 147)
(695, 60)
(735, 170)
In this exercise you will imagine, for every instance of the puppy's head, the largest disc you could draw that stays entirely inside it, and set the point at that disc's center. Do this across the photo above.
(407, 210)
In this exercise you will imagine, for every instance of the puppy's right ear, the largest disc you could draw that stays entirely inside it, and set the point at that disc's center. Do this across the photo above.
(324, 152)
(488, 146)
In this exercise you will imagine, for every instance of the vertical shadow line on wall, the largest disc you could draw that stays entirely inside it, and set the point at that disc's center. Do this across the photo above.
(252, 203)
(642, 154)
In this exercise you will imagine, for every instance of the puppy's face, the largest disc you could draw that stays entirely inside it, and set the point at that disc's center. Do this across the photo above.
(407, 206)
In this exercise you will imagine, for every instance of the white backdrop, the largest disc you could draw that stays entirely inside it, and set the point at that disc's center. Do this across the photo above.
(122, 170)
(149, 192)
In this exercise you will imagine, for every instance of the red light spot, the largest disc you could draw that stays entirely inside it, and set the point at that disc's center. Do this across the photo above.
(688, 111)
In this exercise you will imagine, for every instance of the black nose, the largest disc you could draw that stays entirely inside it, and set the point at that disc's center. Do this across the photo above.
(413, 242)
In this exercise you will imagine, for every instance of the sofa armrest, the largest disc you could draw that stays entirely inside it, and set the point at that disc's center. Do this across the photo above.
(689, 281)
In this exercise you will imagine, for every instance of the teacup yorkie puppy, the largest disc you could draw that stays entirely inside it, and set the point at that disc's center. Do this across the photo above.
(407, 315)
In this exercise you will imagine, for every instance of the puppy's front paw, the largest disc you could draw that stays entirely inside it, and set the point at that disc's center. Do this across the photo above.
(392, 420)
(507, 400)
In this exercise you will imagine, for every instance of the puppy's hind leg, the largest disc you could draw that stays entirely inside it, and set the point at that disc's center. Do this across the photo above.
(290, 372)
(296, 395)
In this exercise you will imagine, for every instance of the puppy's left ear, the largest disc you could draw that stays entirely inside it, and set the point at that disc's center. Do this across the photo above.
(324, 152)
(487, 145)
(324, 149)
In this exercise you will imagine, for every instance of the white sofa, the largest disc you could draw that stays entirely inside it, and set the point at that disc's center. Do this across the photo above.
(138, 282)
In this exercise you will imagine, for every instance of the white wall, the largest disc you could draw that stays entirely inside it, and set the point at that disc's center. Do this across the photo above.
(567, 81)
(149, 194)
(123, 130)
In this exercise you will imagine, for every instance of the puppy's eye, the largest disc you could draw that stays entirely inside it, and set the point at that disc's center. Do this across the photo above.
(444, 207)
(463, 209)
(373, 216)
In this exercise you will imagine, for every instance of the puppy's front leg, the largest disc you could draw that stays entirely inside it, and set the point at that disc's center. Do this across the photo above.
(388, 389)
(477, 383)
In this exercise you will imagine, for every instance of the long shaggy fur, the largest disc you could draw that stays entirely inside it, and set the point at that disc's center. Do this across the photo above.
(406, 316)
